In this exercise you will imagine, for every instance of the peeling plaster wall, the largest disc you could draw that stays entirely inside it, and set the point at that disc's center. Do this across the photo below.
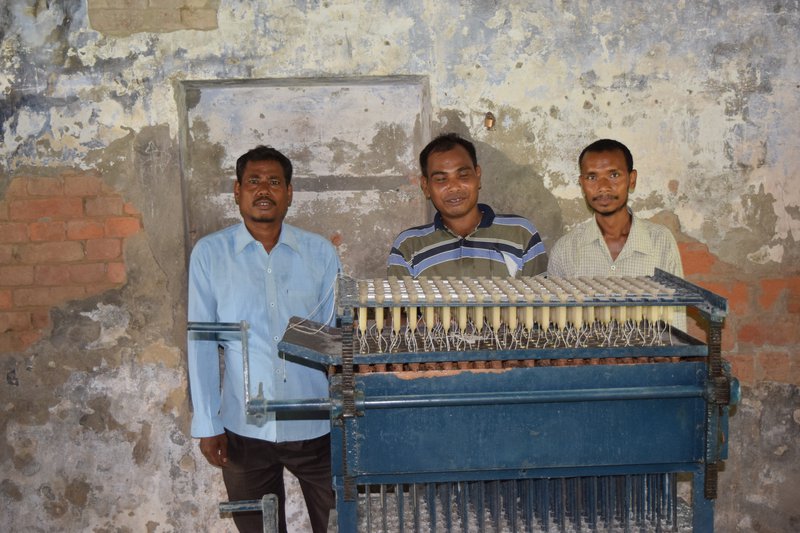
(706, 93)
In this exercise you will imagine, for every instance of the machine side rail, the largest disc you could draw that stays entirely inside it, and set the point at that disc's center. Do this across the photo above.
(713, 304)
(229, 327)
(470, 399)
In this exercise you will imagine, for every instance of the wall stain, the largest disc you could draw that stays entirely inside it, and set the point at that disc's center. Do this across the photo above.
(77, 493)
(10, 490)
(54, 506)
(759, 212)
(141, 450)
(100, 419)
(385, 152)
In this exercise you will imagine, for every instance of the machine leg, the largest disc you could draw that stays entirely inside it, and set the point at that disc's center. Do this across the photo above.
(347, 512)
(702, 508)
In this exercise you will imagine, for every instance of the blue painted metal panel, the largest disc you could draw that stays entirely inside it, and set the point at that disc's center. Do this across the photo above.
(530, 435)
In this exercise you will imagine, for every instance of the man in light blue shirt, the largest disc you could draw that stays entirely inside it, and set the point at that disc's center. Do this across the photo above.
(263, 271)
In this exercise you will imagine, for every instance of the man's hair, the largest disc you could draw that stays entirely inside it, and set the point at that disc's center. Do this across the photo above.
(264, 153)
(608, 145)
(444, 143)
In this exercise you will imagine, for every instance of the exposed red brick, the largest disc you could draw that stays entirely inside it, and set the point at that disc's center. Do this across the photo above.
(762, 331)
(693, 329)
(771, 290)
(116, 272)
(743, 368)
(699, 332)
(774, 366)
(46, 296)
(794, 371)
(16, 275)
(122, 226)
(6, 254)
(696, 258)
(58, 208)
(85, 229)
(103, 206)
(130, 209)
(10, 342)
(40, 318)
(736, 292)
(739, 298)
(45, 187)
(50, 252)
(3, 210)
(18, 188)
(81, 185)
(51, 275)
(60, 295)
(33, 296)
(87, 273)
(13, 232)
(98, 288)
(47, 231)
(6, 300)
(793, 301)
(728, 336)
(14, 321)
(103, 249)
(27, 338)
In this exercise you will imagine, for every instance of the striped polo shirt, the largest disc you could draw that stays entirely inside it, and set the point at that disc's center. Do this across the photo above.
(501, 245)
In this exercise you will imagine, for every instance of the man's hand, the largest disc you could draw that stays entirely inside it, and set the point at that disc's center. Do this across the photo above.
(215, 449)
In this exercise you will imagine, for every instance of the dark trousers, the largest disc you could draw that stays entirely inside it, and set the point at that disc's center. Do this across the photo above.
(255, 468)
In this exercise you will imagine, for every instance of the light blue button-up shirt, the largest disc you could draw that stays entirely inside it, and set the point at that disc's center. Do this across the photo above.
(232, 278)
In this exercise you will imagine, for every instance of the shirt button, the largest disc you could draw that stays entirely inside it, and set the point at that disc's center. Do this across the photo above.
(269, 271)
(272, 304)
(275, 338)
(613, 268)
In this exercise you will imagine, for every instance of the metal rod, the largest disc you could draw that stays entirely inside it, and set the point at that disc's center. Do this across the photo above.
(269, 406)
(368, 499)
(498, 398)
(547, 396)
(398, 489)
(245, 361)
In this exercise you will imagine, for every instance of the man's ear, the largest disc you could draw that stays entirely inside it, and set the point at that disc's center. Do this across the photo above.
(236, 191)
(289, 190)
(632, 181)
(478, 173)
(423, 184)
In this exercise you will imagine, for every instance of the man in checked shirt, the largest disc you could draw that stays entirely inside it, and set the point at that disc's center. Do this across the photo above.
(614, 241)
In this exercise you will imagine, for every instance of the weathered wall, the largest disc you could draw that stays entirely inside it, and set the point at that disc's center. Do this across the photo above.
(92, 268)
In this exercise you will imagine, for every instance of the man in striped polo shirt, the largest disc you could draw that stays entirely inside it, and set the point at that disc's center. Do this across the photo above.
(465, 239)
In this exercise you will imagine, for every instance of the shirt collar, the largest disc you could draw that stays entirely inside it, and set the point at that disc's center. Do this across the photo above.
(638, 239)
(242, 238)
(487, 218)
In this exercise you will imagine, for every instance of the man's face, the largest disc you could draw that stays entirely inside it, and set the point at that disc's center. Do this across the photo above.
(452, 183)
(605, 181)
(263, 195)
